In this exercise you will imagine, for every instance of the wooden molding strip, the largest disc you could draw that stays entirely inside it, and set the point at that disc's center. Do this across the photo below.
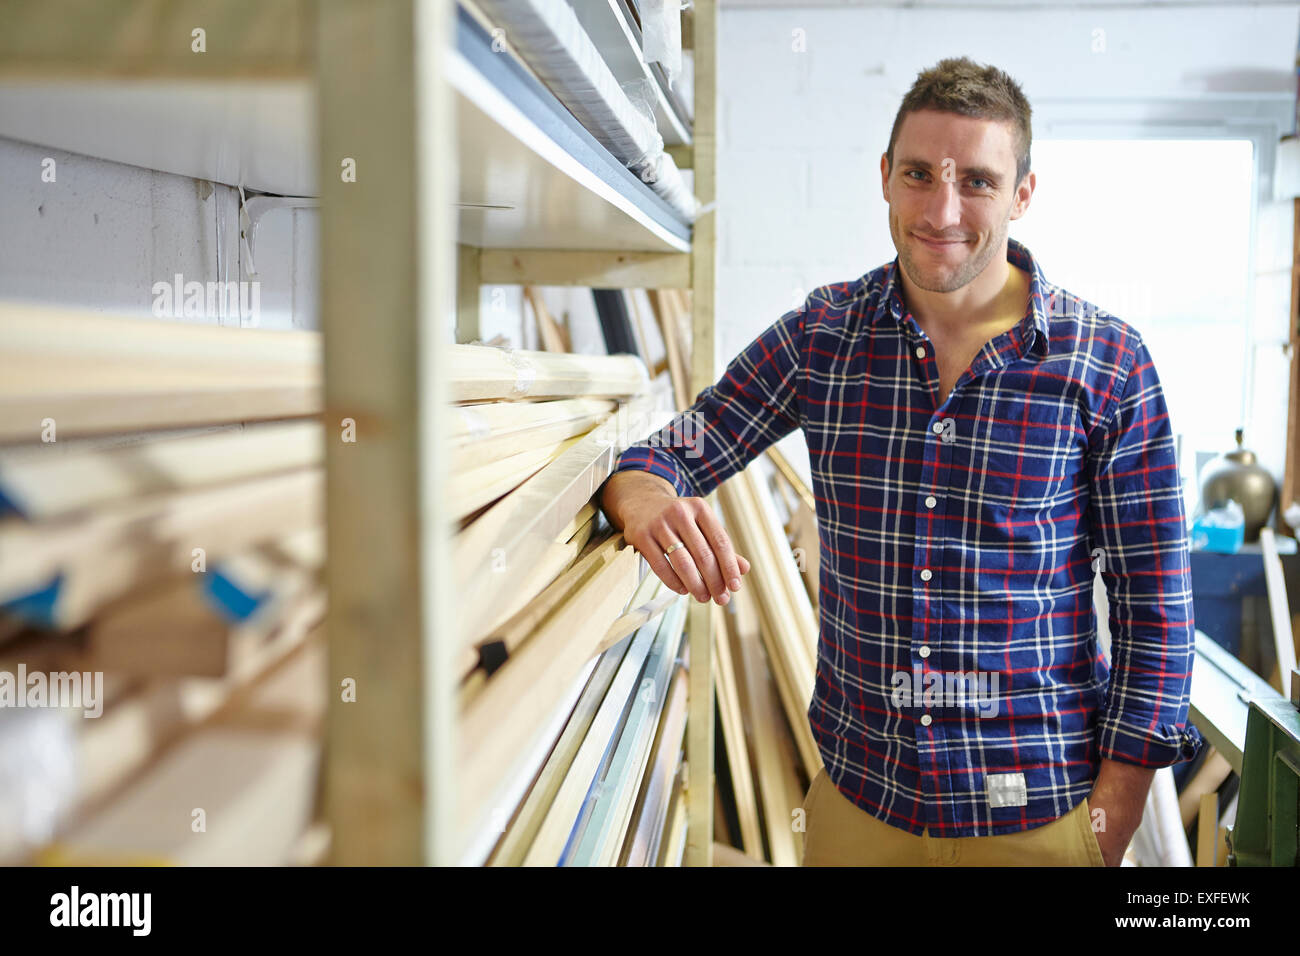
(188, 628)
(1275, 584)
(765, 714)
(470, 490)
(1211, 775)
(673, 845)
(78, 565)
(515, 532)
(669, 329)
(516, 629)
(480, 373)
(524, 690)
(734, 739)
(523, 828)
(651, 811)
(616, 790)
(565, 809)
(792, 632)
(490, 431)
(45, 481)
(559, 556)
(91, 373)
(548, 330)
(483, 825)
(792, 477)
(642, 612)
(724, 855)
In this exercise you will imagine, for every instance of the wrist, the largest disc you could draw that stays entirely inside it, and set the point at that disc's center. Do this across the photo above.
(625, 491)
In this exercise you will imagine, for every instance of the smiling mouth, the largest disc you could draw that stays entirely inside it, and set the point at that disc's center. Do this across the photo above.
(939, 243)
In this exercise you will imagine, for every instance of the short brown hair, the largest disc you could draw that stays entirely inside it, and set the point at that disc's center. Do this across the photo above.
(960, 85)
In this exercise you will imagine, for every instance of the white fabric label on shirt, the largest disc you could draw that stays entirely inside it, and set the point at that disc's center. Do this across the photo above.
(1006, 790)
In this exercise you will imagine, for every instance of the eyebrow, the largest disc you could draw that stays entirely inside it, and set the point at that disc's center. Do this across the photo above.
(981, 171)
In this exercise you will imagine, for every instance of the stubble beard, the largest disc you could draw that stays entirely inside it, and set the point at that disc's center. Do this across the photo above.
(938, 279)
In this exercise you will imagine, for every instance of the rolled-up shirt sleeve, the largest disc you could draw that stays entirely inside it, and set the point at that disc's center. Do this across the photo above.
(754, 404)
(1138, 522)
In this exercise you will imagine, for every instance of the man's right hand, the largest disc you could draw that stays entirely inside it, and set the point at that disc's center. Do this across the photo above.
(653, 519)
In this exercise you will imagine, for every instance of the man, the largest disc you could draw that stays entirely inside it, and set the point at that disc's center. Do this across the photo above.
(980, 440)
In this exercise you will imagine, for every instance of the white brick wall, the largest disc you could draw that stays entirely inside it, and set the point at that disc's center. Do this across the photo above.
(103, 233)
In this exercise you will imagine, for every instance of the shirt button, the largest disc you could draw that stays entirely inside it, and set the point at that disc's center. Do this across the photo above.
(930, 501)
(925, 650)
(925, 720)
(920, 351)
(926, 574)
(937, 427)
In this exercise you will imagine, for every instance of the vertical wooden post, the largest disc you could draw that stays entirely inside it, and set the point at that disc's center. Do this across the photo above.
(1291, 460)
(699, 742)
(468, 321)
(387, 247)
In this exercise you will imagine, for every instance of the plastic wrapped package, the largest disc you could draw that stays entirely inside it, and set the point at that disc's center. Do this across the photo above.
(641, 96)
(661, 35)
(548, 37)
(38, 780)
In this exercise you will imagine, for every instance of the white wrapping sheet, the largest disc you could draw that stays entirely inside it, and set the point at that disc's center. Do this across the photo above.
(547, 35)
(661, 32)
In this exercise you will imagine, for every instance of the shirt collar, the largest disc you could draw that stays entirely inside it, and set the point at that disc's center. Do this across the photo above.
(1034, 328)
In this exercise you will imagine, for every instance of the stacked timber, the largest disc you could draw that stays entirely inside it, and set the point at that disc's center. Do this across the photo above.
(572, 701)
(764, 641)
(161, 536)
(160, 546)
(765, 649)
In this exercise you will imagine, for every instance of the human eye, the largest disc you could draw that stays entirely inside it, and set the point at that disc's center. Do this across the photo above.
(979, 179)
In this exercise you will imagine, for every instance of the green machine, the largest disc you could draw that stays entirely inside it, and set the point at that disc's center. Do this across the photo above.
(1268, 808)
(1258, 731)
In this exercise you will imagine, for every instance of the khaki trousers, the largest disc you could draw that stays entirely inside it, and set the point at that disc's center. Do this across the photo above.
(839, 833)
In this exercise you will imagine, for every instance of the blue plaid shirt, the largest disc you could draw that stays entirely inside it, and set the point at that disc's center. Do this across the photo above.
(958, 546)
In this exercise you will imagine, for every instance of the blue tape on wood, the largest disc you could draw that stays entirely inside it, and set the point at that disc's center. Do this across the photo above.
(37, 607)
(8, 505)
(235, 603)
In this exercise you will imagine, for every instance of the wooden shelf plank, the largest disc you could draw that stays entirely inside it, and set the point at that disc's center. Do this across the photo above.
(141, 38)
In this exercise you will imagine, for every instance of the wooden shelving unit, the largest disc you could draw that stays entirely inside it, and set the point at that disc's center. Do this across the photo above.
(438, 128)
(600, 227)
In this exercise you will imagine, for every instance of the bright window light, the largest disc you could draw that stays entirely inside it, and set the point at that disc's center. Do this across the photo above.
(1157, 232)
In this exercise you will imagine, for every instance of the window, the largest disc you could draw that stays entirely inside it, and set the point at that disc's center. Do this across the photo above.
(1158, 232)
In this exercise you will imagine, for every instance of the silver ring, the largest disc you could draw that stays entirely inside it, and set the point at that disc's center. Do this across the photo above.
(674, 548)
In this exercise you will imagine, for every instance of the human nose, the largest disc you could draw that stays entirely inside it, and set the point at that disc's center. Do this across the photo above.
(943, 208)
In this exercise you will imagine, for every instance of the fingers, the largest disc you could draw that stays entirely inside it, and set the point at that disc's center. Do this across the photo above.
(705, 565)
(681, 564)
(706, 562)
(661, 566)
(724, 554)
(707, 554)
